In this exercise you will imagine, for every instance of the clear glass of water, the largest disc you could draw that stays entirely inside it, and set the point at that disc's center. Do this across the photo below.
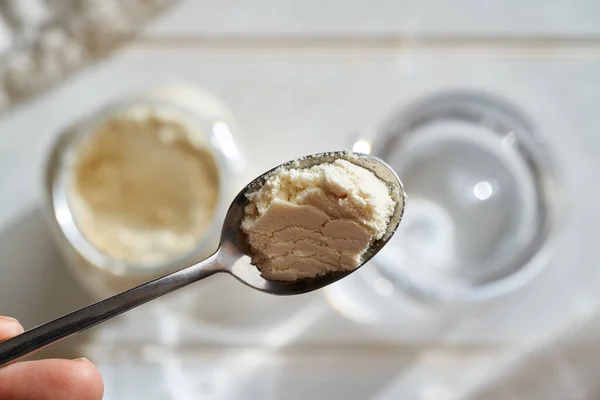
(481, 207)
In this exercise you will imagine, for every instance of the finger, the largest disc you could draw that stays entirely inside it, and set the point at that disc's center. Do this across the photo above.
(9, 327)
(51, 380)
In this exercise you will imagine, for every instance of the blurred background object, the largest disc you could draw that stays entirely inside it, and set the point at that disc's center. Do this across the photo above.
(43, 41)
(486, 109)
(138, 190)
(484, 203)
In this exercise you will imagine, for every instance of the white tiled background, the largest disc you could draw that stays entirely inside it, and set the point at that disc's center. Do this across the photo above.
(325, 71)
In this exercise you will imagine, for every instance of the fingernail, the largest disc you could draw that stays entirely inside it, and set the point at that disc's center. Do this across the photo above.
(8, 319)
(82, 359)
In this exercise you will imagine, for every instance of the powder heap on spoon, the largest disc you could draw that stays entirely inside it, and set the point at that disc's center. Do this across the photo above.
(304, 223)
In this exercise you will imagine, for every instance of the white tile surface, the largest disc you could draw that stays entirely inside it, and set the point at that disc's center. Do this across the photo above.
(382, 17)
(290, 102)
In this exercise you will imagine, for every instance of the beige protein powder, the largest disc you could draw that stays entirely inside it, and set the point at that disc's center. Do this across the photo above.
(303, 223)
(144, 187)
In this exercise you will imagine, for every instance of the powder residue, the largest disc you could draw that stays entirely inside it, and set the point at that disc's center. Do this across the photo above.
(304, 223)
(144, 189)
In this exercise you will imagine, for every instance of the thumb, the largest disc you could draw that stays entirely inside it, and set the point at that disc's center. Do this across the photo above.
(51, 380)
(9, 327)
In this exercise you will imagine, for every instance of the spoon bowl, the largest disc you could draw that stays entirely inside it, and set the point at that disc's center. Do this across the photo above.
(234, 249)
(233, 256)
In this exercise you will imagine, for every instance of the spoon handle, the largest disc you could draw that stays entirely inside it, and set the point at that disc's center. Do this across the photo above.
(82, 319)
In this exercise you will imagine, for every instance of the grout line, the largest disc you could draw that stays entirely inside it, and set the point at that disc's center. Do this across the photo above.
(377, 41)
(523, 47)
(349, 349)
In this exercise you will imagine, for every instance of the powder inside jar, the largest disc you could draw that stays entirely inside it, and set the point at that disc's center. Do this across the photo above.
(145, 187)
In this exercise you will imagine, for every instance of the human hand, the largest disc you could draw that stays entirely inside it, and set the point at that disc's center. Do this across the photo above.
(47, 379)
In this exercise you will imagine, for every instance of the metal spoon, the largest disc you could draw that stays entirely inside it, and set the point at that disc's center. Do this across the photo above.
(232, 257)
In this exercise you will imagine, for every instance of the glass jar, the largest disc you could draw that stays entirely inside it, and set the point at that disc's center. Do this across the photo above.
(206, 121)
(481, 212)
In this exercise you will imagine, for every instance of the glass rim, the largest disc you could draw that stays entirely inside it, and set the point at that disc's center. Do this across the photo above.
(484, 109)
